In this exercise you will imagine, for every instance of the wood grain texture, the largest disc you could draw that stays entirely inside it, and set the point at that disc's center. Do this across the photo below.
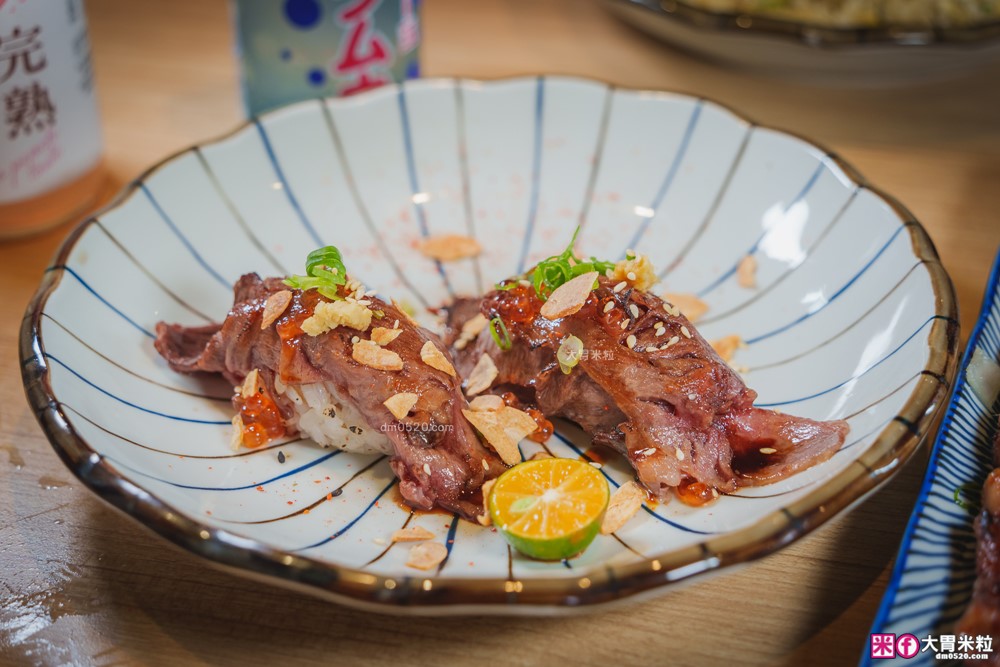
(84, 585)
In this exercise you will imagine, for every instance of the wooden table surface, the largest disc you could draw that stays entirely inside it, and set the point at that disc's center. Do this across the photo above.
(84, 585)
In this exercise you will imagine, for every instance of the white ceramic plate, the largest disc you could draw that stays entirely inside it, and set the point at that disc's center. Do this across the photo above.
(829, 54)
(853, 318)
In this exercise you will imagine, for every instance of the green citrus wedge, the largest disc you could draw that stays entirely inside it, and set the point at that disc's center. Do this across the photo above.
(549, 509)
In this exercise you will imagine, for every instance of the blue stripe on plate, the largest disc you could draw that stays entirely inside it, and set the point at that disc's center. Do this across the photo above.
(726, 275)
(536, 169)
(100, 298)
(183, 239)
(834, 296)
(133, 405)
(254, 485)
(352, 521)
(668, 179)
(858, 375)
(292, 200)
(411, 168)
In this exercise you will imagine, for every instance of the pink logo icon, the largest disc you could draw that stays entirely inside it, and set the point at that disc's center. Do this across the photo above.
(907, 646)
(883, 646)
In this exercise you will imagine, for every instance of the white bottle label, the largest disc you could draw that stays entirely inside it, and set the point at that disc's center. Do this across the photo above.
(49, 125)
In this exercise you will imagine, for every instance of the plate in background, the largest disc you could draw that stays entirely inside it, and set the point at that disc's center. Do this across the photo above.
(931, 582)
(819, 54)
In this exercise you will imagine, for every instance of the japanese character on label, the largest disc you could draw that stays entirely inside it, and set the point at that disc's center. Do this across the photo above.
(28, 109)
(364, 49)
(22, 48)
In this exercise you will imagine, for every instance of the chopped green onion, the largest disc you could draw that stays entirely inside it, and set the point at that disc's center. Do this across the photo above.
(961, 503)
(500, 334)
(569, 354)
(559, 269)
(505, 285)
(325, 272)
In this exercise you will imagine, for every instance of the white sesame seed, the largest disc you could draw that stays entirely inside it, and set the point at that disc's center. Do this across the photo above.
(678, 453)
(768, 450)
(630, 275)
(661, 331)
(684, 330)
(692, 397)
(395, 325)
(379, 541)
(715, 493)
(350, 299)
(524, 283)
(609, 273)
(674, 340)
(634, 309)
(624, 324)
(486, 464)
(630, 341)
(364, 302)
(658, 325)
(596, 464)
(665, 346)
(647, 451)
(608, 306)
(427, 468)
(620, 286)
(355, 339)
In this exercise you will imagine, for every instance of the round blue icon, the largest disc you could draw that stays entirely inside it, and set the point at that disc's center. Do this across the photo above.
(302, 13)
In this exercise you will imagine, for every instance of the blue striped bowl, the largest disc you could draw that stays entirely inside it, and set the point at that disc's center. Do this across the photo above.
(853, 318)
(932, 580)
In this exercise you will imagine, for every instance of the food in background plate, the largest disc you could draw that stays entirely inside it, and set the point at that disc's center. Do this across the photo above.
(864, 13)
(321, 356)
(586, 341)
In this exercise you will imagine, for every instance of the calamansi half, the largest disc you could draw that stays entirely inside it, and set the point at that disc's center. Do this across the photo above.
(549, 509)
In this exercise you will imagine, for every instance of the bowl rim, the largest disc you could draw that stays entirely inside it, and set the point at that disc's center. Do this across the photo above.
(814, 35)
(599, 586)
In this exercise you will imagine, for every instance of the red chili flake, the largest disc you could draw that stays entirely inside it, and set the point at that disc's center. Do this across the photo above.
(329, 496)
(260, 488)
(290, 502)
(208, 512)
(305, 511)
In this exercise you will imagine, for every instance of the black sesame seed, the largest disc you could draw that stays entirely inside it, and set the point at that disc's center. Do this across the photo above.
(336, 492)
(281, 456)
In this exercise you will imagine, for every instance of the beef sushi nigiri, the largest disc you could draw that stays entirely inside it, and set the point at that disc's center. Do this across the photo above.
(319, 356)
(587, 341)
